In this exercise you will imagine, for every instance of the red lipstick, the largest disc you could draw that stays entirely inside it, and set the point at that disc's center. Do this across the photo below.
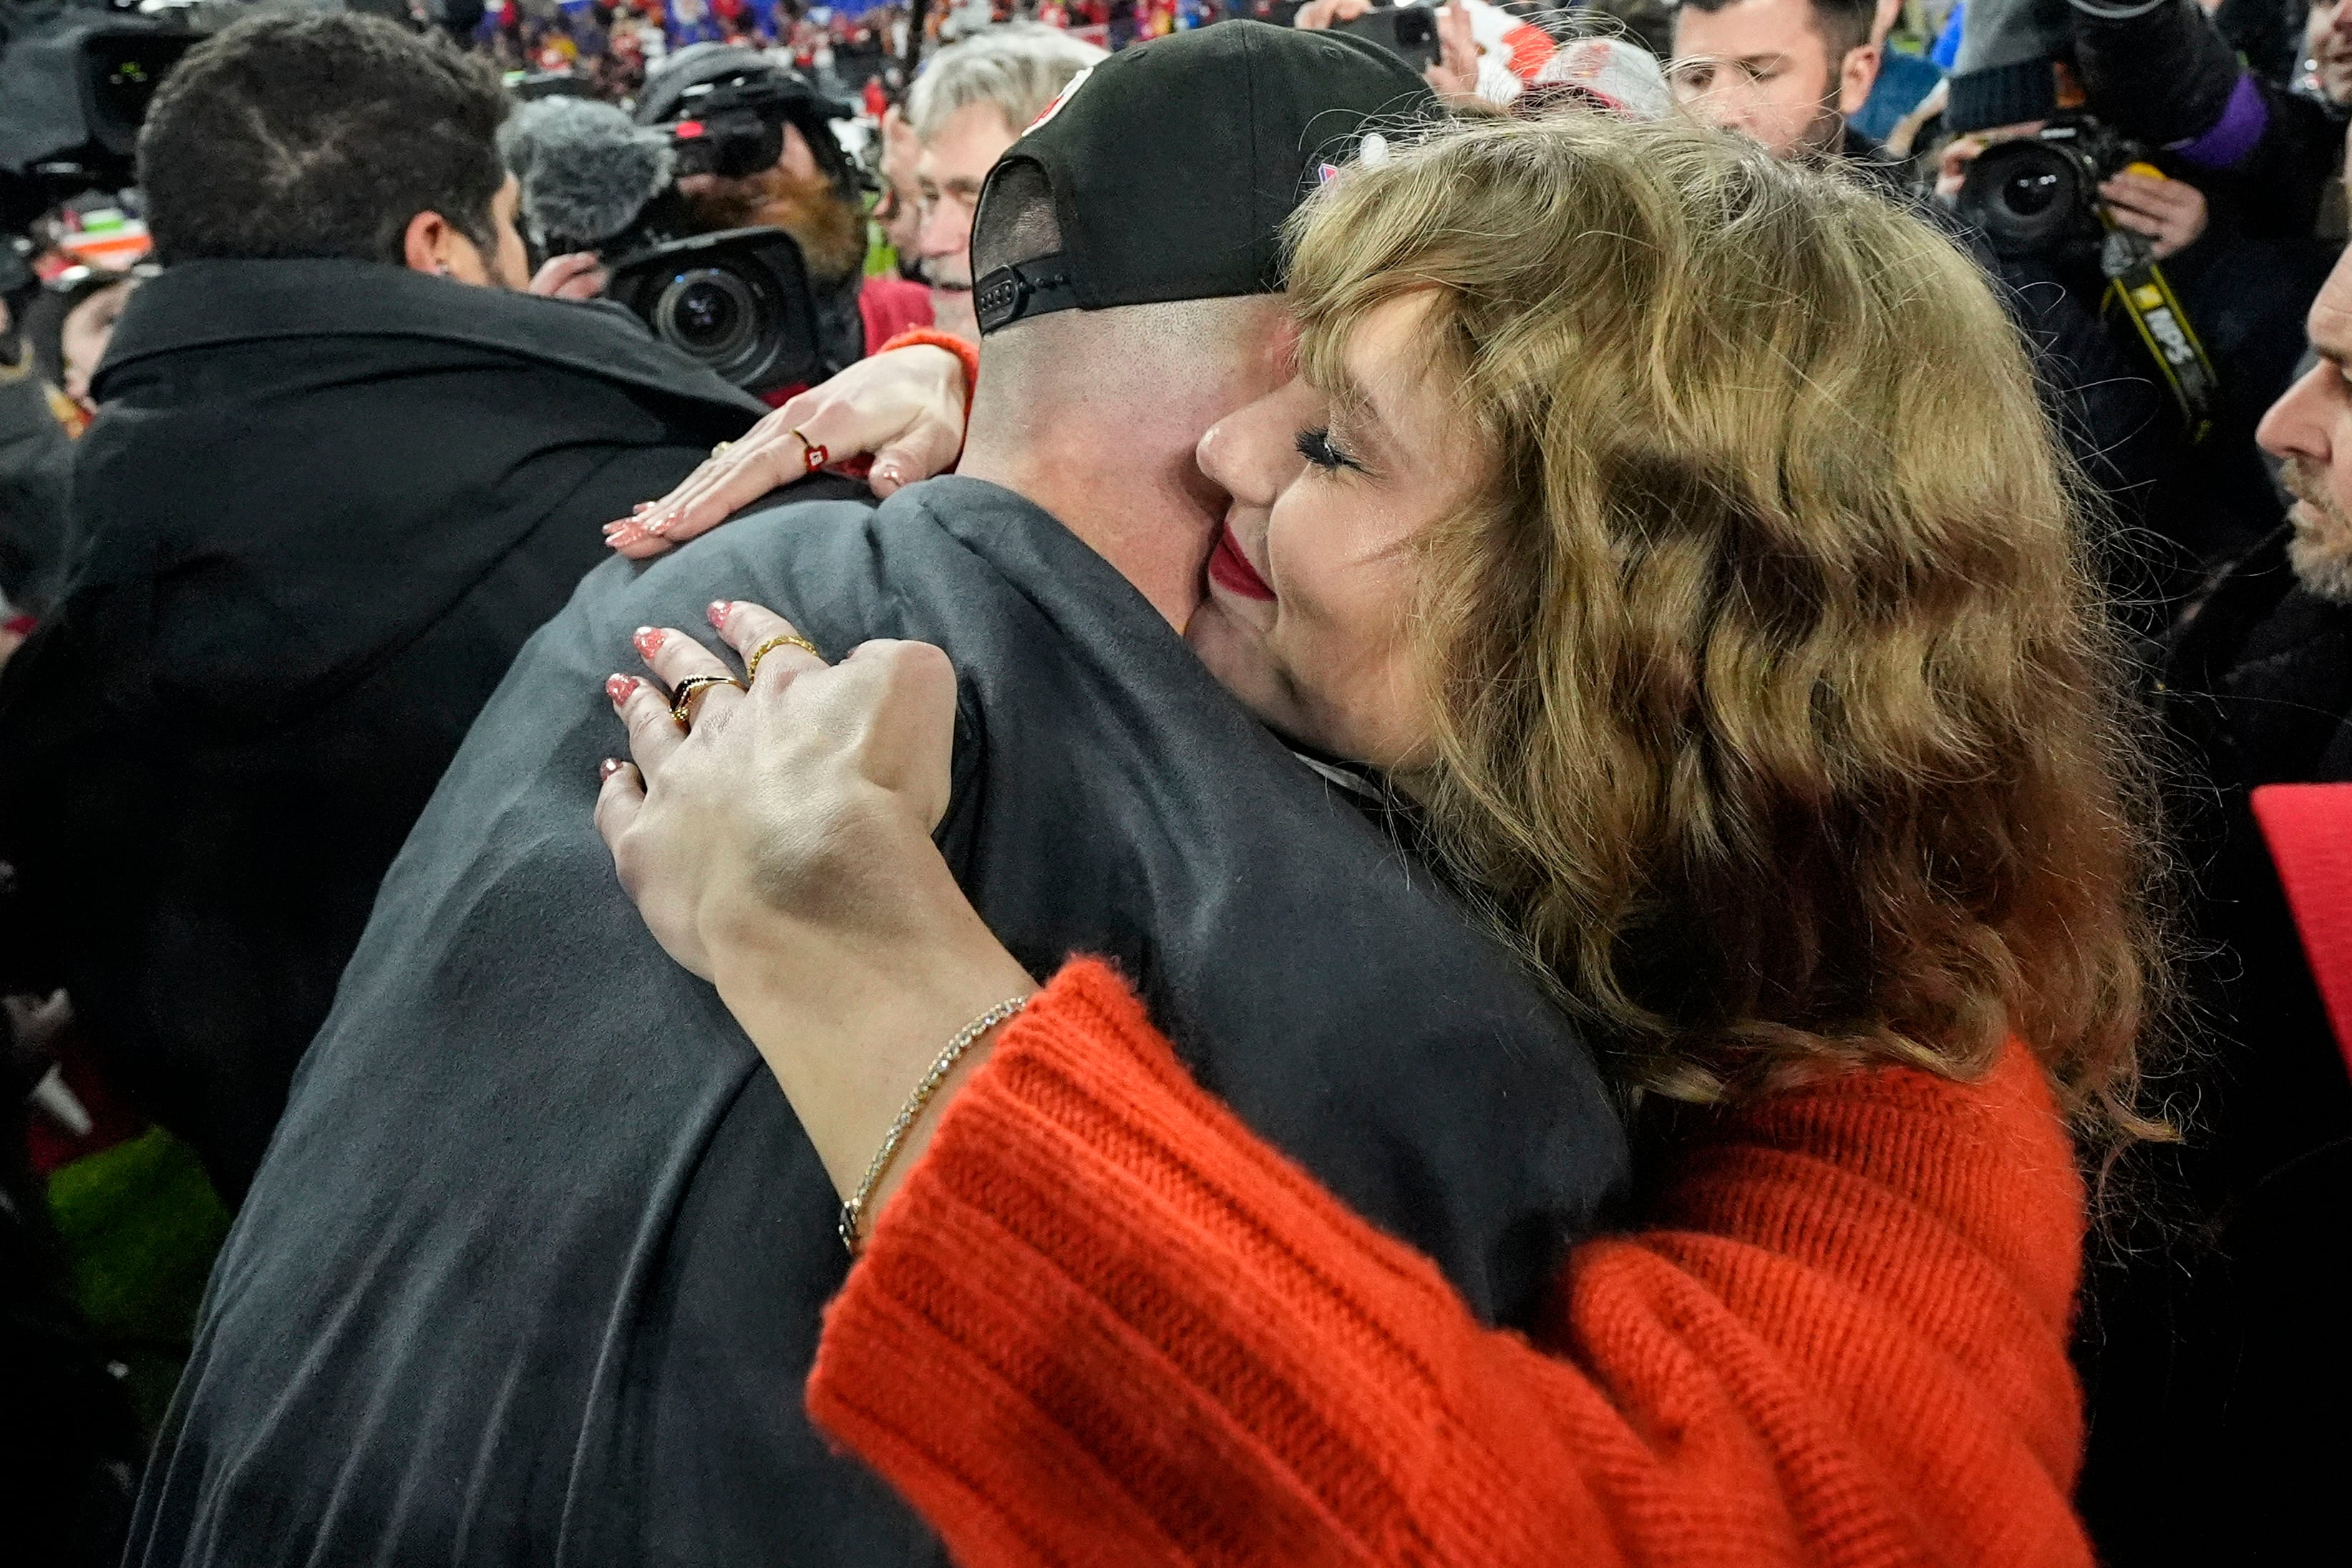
(1230, 570)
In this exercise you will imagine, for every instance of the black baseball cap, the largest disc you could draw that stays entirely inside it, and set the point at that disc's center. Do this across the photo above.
(1172, 165)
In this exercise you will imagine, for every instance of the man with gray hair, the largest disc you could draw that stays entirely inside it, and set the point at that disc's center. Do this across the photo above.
(973, 103)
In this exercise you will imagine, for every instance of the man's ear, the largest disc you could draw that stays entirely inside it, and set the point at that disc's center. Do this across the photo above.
(425, 247)
(1857, 74)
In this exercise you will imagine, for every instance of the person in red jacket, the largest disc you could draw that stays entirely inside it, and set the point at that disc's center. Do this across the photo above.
(1784, 733)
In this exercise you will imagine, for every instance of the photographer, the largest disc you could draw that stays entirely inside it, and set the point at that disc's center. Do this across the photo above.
(340, 475)
(811, 191)
(2069, 155)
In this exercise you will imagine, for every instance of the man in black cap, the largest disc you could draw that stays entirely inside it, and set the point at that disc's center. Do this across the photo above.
(535, 1270)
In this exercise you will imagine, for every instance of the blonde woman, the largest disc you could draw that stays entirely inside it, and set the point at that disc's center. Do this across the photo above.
(1677, 531)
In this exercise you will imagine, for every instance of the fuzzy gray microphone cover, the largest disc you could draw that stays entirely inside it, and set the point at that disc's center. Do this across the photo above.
(586, 170)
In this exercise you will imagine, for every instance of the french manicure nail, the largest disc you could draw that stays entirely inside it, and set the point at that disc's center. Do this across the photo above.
(607, 768)
(648, 641)
(617, 688)
(717, 613)
(641, 509)
(662, 524)
(622, 537)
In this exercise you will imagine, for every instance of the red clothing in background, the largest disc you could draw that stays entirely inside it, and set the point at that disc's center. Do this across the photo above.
(890, 305)
(1104, 1323)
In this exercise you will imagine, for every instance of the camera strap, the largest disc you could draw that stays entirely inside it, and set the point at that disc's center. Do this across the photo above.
(2139, 286)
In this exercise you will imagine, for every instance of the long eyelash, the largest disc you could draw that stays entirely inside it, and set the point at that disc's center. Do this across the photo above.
(1317, 446)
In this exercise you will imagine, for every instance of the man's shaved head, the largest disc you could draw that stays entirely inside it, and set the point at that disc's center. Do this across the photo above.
(1094, 415)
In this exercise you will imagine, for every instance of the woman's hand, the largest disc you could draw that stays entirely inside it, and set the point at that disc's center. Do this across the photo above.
(905, 407)
(781, 846)
(2169, 211)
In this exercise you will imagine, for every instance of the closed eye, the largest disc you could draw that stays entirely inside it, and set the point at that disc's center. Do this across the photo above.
(1317, 447)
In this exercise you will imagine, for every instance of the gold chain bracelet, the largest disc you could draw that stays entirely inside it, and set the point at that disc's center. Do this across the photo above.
(855, 1209)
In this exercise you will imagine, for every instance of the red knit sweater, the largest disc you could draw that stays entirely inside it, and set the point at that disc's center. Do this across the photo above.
(1104, 1323)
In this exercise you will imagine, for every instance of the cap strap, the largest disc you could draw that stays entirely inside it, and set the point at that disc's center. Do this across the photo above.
(1024, 288)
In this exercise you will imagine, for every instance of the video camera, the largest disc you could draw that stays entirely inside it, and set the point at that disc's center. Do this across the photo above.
(72, 101)
(740, 301)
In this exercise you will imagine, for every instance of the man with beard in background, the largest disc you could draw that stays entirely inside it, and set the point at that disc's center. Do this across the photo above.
(812, 193)
(2206, 1349)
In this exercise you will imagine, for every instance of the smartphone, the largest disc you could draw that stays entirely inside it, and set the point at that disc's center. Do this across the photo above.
(1408, 32)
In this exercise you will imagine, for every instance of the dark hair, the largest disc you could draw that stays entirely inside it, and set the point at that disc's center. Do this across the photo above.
(1844, 25)
(319, 135)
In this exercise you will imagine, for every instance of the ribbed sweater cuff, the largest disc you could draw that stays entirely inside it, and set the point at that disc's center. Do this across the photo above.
(1081, 1209)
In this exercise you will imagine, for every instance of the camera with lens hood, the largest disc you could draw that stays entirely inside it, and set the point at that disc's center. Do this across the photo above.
(740, 301)
(2039, 195)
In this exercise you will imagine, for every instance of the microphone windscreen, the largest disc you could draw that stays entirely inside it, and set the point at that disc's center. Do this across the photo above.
(585, 168)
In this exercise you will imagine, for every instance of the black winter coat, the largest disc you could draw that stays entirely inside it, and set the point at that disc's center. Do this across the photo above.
(2207, 1349)
(325, 504)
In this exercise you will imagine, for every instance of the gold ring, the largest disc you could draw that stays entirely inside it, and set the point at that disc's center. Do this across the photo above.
(781, 639)
(722, 449)
(681, 695)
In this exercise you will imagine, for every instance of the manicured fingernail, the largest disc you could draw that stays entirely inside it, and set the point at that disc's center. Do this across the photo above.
(607, 768)
(718, 612)
(641, 509)
(662, 524)
(623, 537)
(618, 688)
(648, 641)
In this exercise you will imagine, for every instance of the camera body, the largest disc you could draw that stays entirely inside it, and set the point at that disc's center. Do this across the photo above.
(72, 99)
(1408, 32)
(739, 302)
(732, 129)
(2039, 195)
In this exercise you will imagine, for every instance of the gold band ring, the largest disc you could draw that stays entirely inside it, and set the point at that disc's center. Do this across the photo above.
(813, 455)
(681, 695)
(781, 639)
(722, 449)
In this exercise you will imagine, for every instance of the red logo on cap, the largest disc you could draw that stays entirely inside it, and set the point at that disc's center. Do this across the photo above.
(1061, 98)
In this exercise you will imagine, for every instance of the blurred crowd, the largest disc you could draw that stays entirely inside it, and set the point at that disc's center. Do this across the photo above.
(342, 350)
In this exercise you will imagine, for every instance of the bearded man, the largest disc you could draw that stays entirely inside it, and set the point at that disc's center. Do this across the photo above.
(2204, 1346)
(812, 193)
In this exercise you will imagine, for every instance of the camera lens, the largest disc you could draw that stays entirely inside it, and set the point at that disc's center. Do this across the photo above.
(711, 314)
(2031, 194)
(2028, 197)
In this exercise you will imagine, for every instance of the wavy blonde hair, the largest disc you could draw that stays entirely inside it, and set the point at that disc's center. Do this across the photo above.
(1777, 711)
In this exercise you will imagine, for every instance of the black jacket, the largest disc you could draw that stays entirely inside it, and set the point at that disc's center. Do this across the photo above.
(534, 1269)
(36, 468)
(324, 505)
(2207, 1349)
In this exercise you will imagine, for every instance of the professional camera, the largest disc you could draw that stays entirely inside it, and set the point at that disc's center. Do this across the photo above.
(740, 301)
(72, 97)
(2039, 195)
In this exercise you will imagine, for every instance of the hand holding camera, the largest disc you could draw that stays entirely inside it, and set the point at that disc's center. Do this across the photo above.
(2171, 213)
